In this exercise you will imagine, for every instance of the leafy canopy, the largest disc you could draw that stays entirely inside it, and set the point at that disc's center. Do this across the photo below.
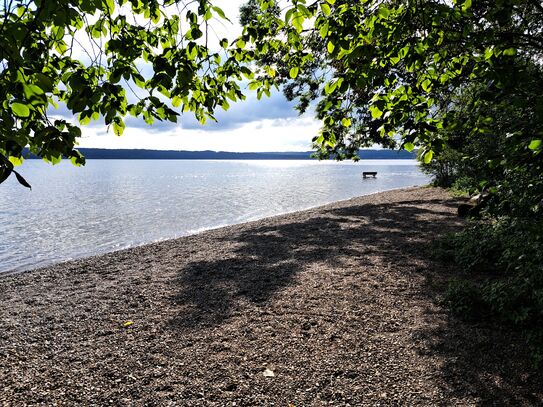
(384, 71)
(376, 71)
(104, 60)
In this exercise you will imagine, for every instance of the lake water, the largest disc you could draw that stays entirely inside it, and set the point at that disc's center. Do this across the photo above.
(113, 204)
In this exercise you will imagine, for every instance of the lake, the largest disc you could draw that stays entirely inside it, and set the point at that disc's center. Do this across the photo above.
(108, 205)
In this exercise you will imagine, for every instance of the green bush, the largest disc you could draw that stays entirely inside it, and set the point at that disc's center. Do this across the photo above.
(503, 261)
(464, 298)
(473, 249)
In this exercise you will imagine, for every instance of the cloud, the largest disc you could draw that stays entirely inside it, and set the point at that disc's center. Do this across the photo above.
(292, 134)
(247, 111)
(240, 113)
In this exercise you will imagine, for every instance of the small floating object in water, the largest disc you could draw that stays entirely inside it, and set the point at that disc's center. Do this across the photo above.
(367, 174)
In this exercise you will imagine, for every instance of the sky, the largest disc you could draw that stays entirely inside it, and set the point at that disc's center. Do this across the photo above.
(271, 124)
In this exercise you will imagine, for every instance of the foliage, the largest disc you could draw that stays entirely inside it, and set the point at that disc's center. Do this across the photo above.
(103, 60)
(490, 145)
(379, 71)
(444, 168)
(491, 149)
(506, 256)
(462, 81)
(386, 70)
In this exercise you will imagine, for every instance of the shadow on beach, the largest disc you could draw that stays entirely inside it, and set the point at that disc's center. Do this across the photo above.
(340, 303)
(266, 259)
(478, 362)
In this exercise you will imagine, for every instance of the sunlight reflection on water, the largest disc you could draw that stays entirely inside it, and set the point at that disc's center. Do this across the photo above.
(112, 204)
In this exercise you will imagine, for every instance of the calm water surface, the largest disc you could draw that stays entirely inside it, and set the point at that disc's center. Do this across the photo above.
(113, 204)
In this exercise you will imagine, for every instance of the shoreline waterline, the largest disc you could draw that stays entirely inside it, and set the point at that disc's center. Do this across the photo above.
(345, 295)
(109, 205)
(197, 232)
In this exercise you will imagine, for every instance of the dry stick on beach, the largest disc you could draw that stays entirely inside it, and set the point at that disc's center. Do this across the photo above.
(334, 305)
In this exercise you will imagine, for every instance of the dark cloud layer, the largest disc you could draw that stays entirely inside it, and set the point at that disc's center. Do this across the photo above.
(247, 111)
(240, 113)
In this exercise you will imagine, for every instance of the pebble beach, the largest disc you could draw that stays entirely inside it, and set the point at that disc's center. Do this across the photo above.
(337, 305)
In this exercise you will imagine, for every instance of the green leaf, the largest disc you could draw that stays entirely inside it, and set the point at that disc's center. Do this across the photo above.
(488, 53)
(247, 72)
(394, 60)
(467, 5)
(21, 180)
(139, 80)
(254, 85)
(270, 71)
(535, 144)
(510, 52)
(240, 43)
(118, 127)
(428, 157)
(31, 91)
(303, 9)
(325, 9)
(84, 119)
(346, 122)
(57, 33)
(192, 50)
(44, 82)
(426, 85)
(330, 47)
(288, 15)
(20, 110)
(383, 12)
(196, 33)
(77, 159)
(110, 4)
(176, 101)
(220, 12)
(16, 161)
(330, 87)
(4, 173)
(323, 30)
(294, 72)
(61, 47)
(375, 112)
(409, 146)
(297, 21)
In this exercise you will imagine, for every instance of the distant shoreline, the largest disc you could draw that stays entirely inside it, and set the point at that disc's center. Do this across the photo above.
(142, 154)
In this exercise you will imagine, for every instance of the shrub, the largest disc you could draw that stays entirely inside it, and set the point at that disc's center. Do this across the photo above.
(504, 263)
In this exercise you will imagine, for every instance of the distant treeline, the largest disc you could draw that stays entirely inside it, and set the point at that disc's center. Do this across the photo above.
(135, 154)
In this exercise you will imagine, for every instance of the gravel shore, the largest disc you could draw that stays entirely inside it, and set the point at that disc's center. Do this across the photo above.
(337, 305)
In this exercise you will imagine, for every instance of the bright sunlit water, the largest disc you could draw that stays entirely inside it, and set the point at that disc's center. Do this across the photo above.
(112, 204)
